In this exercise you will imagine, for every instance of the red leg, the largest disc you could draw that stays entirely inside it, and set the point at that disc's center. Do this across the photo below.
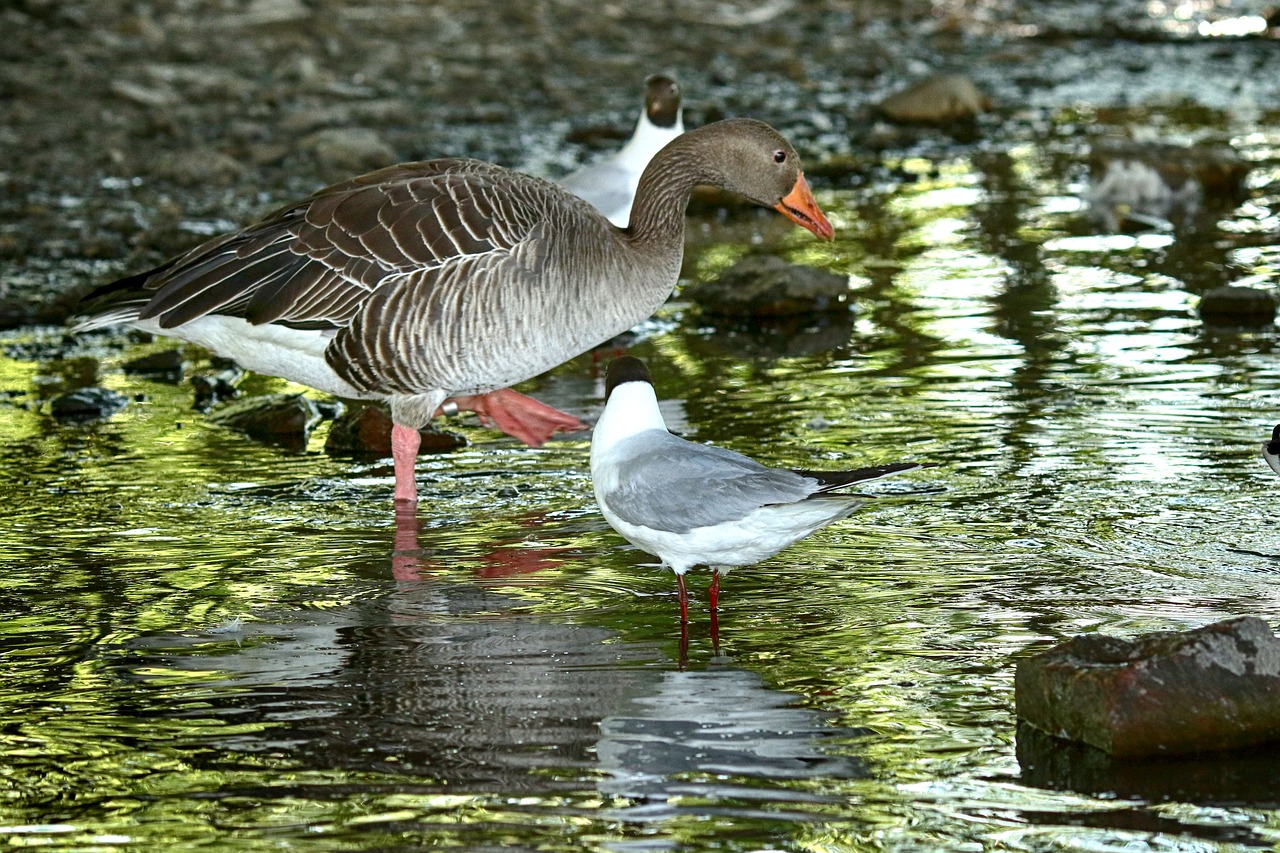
(713, 591)
(684, 598)
(404, 455)
(519, 415)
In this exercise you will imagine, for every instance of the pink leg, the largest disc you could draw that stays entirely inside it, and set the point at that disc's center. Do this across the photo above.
(684, 599)
(405, 557)
(519, 415)
(404, 455)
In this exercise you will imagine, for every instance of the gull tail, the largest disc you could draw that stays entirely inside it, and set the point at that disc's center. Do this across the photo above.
(832, 480)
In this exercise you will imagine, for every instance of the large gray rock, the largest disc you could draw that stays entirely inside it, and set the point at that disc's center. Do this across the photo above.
(1167, 693)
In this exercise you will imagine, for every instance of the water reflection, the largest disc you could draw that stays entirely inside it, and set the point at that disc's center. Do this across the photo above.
(432, 683)
(208, 638)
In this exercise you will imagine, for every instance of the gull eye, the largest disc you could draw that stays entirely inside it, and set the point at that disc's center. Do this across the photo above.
(779, 156)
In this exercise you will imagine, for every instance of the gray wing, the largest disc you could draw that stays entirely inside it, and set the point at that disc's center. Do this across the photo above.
(671, 484)
(314, 263)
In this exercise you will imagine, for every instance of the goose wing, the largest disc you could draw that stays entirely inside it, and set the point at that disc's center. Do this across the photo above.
(313, 264)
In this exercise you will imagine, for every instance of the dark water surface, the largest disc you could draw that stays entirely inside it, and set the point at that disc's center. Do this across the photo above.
(211, 643)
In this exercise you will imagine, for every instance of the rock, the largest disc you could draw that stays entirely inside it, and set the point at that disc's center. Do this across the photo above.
(196, 167)
(165, 365)
(1238, 305)
(942, 99)
(278, 418)
(767, 286)
(350, 149)
(87, 404)
(217, 385)
(330, 410)
(366, 431)
(1153, 184)
(1167, 693)
(1233, 778)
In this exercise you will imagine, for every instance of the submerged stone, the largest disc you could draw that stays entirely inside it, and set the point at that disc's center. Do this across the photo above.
(768, 286)
(166, 364)
(277, 418)
(1238, 305)
(1167, 693)
(87, 404)
(366, 431)
(216, 385)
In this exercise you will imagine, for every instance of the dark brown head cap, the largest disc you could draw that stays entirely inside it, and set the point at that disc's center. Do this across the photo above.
(622, 369)
(662, 100)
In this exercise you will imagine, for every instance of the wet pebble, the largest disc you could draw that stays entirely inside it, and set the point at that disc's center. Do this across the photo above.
(1238, 305)
(217, 385)
(365, 430)
(198, 167)
(350, 149)
(941, 99)
(768, 286)
(87, 404)
(278, 418)
(166, 365)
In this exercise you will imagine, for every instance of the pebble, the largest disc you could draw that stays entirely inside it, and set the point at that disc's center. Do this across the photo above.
(1238, 305)
(941, 99)
(166, 365)
(87, 404)
(365, 430)
(768, 286)
(278, 418)
(216, 385)
(350, 150)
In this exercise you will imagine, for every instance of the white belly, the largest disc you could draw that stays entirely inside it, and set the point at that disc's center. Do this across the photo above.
(293, 354)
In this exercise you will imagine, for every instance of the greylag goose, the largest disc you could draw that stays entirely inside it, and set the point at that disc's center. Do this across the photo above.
(448, 279)
(610, 185)
(698, 505)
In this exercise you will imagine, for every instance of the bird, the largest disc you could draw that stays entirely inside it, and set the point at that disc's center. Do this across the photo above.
(695, 504)
(1271, 450)
(610, 184)
(448, 280)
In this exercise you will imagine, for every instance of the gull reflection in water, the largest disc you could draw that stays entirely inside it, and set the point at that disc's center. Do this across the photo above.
(458, 683)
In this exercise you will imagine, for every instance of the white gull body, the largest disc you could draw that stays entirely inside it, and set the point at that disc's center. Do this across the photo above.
(694, 504)
(610, 184)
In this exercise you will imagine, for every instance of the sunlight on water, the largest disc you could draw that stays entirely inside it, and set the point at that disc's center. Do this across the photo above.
(218, 643)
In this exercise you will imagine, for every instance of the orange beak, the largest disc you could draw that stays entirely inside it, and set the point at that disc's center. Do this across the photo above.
(799, 206)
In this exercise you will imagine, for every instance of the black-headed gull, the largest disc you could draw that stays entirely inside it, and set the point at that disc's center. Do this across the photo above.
(1271, 450)
(610, 184)
(698, 505)
(449, 279)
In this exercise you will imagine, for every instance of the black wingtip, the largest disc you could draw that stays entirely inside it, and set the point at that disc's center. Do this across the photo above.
(832, 480)
(624, 368)
(1273, 446)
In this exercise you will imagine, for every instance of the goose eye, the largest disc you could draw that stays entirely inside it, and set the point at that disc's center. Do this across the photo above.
(779, 156)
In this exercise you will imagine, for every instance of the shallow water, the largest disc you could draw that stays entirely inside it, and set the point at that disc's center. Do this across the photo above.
(217, 643)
